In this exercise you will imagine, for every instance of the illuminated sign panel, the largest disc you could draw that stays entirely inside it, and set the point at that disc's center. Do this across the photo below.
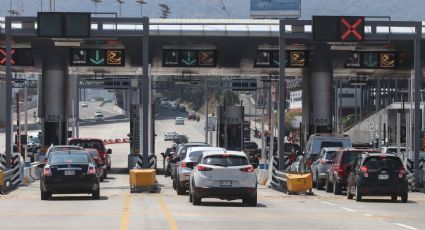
(189, 58)
(97, 57)
(338, 28)
(372, 60)
(270, 59)
(19, 57)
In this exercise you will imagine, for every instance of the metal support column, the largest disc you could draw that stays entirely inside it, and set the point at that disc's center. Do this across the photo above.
(417, 79)
(282, 95)
(144, 96)
(8, 109)
(77, 107)
(206, 111)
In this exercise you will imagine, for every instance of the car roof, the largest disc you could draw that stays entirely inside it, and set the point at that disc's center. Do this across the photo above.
(234, 153)
(380, 154)
(331, 149)
(86, 139)
(204, 148)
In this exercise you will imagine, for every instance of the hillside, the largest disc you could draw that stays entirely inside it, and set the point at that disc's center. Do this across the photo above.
(397, 9)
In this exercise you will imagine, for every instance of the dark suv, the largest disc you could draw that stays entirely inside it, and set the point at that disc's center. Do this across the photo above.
(377, 175)
(336, 179)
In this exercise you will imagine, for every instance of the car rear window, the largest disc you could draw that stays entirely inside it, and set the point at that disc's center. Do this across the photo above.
(93, 153)
(59, 158)
(326, 144)
(349, 157)
(330, 155)
(225, 160)
(376, 162)
(89, 144)
(194, 156)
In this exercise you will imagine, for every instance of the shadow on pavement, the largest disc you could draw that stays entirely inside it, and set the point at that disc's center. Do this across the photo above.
(229, 204)
(74, 198)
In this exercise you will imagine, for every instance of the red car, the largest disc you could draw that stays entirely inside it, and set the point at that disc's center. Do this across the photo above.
(336, 179)
(191, 116)
(94, 143)
(100, 167)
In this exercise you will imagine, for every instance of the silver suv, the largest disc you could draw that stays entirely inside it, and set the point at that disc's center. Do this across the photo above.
(185, 166)
(321, 166)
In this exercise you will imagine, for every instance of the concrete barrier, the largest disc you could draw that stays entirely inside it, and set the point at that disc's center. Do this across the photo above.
(31, 174)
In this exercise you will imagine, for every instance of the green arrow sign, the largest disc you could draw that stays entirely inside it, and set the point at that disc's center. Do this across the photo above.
(189, 58)
(97, 60)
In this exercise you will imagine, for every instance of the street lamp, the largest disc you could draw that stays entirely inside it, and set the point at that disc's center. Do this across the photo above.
(95, 4)
(120, 2)
(141, 2)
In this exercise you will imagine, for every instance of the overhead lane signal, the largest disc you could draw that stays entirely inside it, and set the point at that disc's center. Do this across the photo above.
(339, 28)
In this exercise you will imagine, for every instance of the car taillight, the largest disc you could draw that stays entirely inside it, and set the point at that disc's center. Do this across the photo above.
(340, 171)
(363, 169)
(204, 168)
(401, 172)
(184, 164)
(45, 160)
(323, 162)
(103, 154)
(91, 170)
(248, 169)
(47, 171)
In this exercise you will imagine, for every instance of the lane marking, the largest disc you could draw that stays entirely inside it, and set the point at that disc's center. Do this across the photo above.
(405, 226)
(124, 215)
(368, 215)
(171, 222)
(348, 209)
(332, 204)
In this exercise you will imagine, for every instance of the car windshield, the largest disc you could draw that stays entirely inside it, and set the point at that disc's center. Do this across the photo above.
(394, 150)
(59, 158)
(225, 160)
(89, 144)
(377, 162)
(330, 155)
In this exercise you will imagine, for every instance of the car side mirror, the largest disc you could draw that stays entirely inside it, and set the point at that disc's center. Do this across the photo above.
(254, 165)
(41, 165)
(109, 151)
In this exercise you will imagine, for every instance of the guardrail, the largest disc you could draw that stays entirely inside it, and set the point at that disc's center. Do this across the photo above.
(277, 176)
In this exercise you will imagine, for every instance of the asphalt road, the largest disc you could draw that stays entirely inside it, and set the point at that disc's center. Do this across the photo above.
(119, 209)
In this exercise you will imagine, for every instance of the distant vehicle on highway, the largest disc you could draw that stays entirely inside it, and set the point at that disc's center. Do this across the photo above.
(84, 105)
(377, 174)
(226, 175)
(212, 123)
(99, 117)
(185, 166)
(69, 172)
(170, 135)
(179, 121)
(179, 139)
(94, 143)
(191, 115)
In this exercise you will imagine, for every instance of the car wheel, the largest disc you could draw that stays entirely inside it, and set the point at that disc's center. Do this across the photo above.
(180, 190)
(337, 188)
(190, 196)
(250, 200)
(174, 184)
(349, 195)
(95, 194)
(358, 196)
(196, 200)
(319, 185)
(109, 166)
(45, 195)
(328, 185)
(404, 198)
(394, 198)
(105, 175)
(101, 178)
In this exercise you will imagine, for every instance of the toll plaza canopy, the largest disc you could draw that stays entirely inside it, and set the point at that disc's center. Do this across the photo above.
(219, 47)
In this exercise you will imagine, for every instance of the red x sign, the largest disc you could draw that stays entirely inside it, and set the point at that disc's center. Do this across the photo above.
(3, 56)
(353, 29)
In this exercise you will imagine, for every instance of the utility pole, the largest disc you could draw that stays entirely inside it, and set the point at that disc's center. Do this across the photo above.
(206, 110)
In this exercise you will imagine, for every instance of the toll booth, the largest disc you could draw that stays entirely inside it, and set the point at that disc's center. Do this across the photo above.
(230, 127)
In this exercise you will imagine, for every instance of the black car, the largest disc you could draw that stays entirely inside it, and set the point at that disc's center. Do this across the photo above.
(181, 139)
(69, 172)
(377, 175)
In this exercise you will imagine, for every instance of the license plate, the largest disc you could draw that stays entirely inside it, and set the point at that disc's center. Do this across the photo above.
(226, 183)
(383, 177)
(69, 173)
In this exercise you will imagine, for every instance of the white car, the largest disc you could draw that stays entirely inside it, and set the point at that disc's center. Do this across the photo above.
(186, 165)
(179, 121)
(226, 175)
(170, 135)
(393, 150)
